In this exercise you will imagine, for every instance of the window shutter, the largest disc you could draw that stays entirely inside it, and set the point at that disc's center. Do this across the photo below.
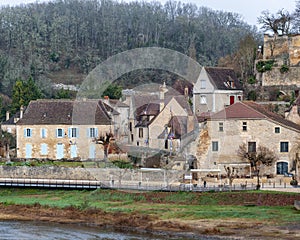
(77, 132)
(88, 132)
(96, 132)
(69, 132)
(25, 130)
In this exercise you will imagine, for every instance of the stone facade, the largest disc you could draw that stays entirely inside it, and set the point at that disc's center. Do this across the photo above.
(226, 133)
(45, 142)
(63, 129)
(215, 89)
(285, 50)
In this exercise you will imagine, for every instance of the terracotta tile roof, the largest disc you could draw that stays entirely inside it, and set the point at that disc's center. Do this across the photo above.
(252, 110)
(223, 78)
(66, 112)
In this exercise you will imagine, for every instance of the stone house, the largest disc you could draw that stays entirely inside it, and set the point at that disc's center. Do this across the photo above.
(57, 129)
(119, 112)
(161, 121)
(251, 124)
(9, 125)
(215, 89)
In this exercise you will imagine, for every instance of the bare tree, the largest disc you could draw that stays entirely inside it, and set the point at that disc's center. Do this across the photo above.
(262, 156)
(278, 24)
(231, 174)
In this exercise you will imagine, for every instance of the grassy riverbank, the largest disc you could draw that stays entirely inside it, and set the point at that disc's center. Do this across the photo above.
(225, 213)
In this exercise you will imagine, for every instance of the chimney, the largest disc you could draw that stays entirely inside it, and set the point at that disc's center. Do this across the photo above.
(21, 112)
(186, 91)
(162, 90)
(106, 99)
(7, 115)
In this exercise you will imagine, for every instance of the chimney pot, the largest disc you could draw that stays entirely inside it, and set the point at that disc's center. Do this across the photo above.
(21, 112)
(7, 115)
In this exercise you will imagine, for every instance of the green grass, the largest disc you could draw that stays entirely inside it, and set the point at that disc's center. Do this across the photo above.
(180, 205)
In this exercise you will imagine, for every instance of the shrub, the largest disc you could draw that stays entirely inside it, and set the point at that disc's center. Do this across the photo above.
(252, 95)
(284, 68)
(252, 80)
(263, 66)
(294, 182)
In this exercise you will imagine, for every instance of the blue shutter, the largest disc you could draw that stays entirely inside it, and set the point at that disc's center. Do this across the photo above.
(44, 149)
(96, 132)
(77, 132)
(25, 130)
(88, 132)
(69, 132)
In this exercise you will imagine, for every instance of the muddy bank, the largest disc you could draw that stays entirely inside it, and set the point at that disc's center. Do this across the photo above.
(239, 228)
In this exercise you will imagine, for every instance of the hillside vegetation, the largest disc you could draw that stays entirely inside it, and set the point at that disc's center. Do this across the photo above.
(63, 40)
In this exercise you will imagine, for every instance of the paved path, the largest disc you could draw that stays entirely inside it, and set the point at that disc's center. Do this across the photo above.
(287, 189)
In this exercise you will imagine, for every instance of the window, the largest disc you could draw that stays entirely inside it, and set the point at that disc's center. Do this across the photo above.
(221, 127)
(140, 132)
(239, 98)
(215, 146)
(244, 126)
(284, 146)
(203, 99)
(93, 132)
(73, 132)
(251, 147)
(202, 83)
(277, 129)
(28, 132)
(59, 132)
(44, 149)
(166, 144)
(282, 168)
(130, 126)
(43, 133)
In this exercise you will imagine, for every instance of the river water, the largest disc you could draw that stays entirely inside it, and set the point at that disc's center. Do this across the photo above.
(18, 230)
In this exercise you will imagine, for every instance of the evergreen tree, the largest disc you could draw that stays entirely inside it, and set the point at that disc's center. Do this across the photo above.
(23, 93)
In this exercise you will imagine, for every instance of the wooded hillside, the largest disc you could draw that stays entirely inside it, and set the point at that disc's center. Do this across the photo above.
(61, 41)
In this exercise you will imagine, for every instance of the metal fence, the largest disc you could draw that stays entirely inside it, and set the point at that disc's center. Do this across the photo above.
(94, 184)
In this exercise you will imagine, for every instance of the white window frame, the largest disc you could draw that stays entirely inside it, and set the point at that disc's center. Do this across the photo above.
(202, 84)
(59, 135)
(203, 99)
(215, 146)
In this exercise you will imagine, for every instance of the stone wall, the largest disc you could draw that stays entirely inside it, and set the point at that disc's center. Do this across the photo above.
(284, 50)
(101, 174)
(275, 77)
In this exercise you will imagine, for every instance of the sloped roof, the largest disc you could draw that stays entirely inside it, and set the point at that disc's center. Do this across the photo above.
(11, 120)
(223, 78)
(66, 112)
(117, 103)
(252, 110)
